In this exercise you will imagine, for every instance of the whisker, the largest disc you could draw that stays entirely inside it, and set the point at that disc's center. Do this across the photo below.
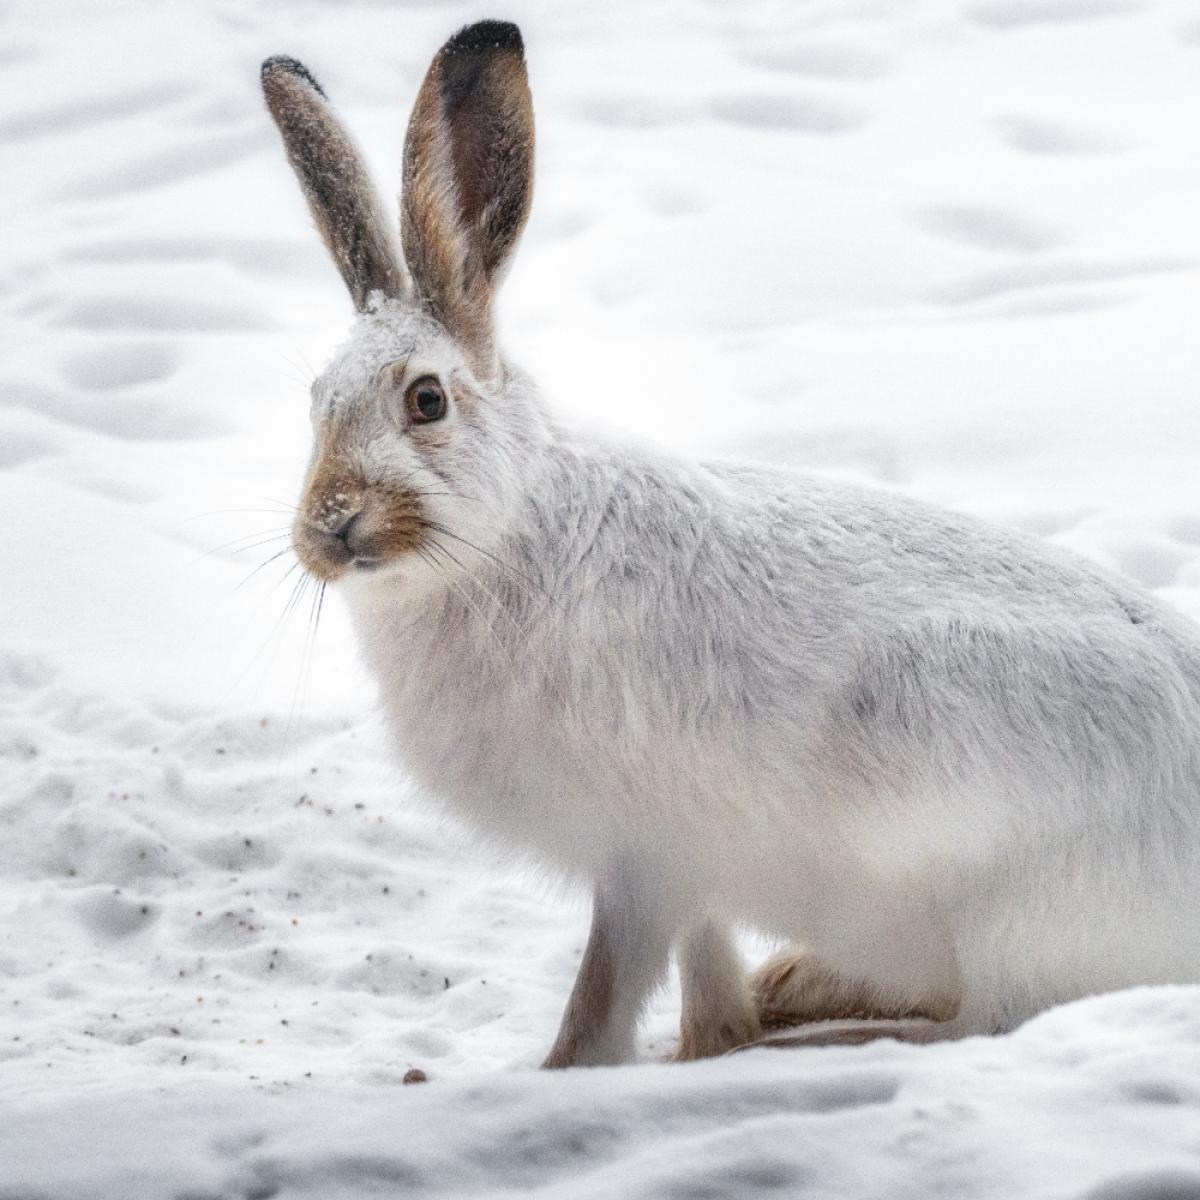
(270, 644)
(283, 578)
(250, 541)
(487, 625)
(274, 557)
(519, 630)
(302, 369)
(514, 571)
(298, 595)
(501, 607)
(306, 659)
(221, 512)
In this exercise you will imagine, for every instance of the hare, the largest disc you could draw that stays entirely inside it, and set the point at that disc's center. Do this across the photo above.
(955, 768)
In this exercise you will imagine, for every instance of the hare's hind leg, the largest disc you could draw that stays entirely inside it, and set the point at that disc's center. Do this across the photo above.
(718, 1010)
(796, 988)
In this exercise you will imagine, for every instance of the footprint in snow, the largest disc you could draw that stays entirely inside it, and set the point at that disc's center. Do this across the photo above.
(1058, 303)
(123, 365)
(992, 284)
(134, 418)
(1018, 14)
(988, 228)
(58, 119)
(110, 913)
(671, 201)
(815, 60)
(788, 112)
(11, 55)
(1185, 529)
(278, 257)
(141, 311)
(1032, 135)
(1161, 1183)
(1153, 564)
(1048, 523)
(162, 167)
(632, 111)
(22, 442)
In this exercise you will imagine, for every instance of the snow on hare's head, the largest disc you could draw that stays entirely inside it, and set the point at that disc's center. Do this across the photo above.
(417, 424)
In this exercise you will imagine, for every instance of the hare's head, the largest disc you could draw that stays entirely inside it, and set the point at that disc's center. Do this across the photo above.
(419, 429)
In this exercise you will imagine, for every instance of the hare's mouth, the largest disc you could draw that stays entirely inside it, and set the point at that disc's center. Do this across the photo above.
(355, 537)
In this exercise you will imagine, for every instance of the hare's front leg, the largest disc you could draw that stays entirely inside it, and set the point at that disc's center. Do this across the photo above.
(626, 957)
(718, 1009)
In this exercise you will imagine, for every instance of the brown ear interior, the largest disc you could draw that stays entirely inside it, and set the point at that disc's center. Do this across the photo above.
(335, 182)
(468, 176)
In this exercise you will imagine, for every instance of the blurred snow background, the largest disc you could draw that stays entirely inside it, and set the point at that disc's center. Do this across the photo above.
(945, 247)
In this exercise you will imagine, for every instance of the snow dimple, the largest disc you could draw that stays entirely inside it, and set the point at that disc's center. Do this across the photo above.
(138, 311)
(59, 119)
(851, 1091)
(813, 58)
(123, 365)
(786, 111)
(111, 913)
(989, 228)
(633, 111)
(170, 164)
(1053, 274)
(394, 971)
(1164, 1183)
(1154, 563)
(1036, 135)
(22, 440)
(1019, 14)
(1163, 1091)
(137, 417)
(272, 256)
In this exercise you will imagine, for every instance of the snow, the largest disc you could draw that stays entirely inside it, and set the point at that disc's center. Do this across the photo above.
(947, 248)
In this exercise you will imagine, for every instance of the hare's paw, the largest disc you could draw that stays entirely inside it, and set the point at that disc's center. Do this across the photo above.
(718, 1010)
(705, 1034)
(916, 1031)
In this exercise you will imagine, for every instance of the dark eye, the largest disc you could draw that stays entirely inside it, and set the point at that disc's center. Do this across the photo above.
(426, 401)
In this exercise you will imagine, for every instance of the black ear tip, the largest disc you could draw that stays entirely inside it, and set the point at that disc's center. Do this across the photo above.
(486, 35)
(282, 63)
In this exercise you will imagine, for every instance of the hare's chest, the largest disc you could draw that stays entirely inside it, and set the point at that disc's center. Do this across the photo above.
(479, 734)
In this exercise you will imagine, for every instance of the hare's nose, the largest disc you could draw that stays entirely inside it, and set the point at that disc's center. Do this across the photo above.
(337, 537)
(343, 531)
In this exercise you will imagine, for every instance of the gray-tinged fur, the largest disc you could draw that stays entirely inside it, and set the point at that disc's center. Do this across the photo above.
(334, 180)
(959, 765)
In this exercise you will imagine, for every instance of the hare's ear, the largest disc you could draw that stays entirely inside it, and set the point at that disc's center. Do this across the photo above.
(335, 181)
(468, 178)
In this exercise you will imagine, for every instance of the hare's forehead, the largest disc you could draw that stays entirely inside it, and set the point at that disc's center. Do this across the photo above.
(378, 342)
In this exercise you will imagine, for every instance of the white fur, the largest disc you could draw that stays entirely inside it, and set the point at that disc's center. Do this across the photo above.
(940, 754)
(958, 764)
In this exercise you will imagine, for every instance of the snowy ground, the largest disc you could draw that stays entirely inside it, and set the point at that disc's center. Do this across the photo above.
(946, 247)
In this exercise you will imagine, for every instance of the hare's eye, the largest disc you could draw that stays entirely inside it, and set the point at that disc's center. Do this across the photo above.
(426, 401)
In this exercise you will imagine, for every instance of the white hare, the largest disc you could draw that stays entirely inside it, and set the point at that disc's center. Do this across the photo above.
(956, 768)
